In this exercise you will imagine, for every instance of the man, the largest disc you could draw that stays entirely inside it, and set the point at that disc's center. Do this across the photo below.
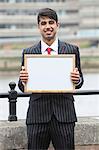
(51, 117)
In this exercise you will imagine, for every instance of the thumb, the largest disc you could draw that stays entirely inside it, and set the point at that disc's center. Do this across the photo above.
(23, 68)
(75, 69)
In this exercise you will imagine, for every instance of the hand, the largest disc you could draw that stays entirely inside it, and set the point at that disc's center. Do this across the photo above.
(75, 76)
(23, 75)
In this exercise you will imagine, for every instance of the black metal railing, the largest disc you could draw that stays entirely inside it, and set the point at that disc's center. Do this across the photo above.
(12, 96)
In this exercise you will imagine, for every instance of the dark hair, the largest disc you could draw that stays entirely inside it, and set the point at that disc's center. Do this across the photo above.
(47, 12)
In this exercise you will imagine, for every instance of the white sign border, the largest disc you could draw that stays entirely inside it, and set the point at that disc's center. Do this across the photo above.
(67, 62)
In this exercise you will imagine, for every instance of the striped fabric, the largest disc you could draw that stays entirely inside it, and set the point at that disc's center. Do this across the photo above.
(41, 109)
(61, 135)
(62, 105)
(51, 116)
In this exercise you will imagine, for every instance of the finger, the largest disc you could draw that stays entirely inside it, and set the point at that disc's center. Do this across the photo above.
(75, 73)
(22, 75)
(75, 79)
(75, 76)
(75, 69)
(24, 78)
(23, 68)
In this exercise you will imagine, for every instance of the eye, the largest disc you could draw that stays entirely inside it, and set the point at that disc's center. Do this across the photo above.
(51, 22)
(43, 23)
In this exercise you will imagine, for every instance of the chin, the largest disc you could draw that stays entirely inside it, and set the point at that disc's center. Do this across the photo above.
(49, 37)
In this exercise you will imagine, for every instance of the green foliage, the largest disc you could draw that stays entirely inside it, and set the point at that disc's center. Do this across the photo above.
(85, 44)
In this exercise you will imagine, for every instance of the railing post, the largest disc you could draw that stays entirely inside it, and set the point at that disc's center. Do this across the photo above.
(12, 102)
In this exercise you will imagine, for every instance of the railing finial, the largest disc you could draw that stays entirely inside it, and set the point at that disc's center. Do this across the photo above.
(12, 85)
(12, 102)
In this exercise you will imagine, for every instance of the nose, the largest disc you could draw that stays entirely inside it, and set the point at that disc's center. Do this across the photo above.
(47, 25)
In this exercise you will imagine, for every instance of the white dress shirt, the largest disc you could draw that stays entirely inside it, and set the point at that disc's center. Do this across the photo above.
(54, 47)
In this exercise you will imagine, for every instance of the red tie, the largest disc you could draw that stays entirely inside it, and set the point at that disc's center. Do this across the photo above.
(49, 51)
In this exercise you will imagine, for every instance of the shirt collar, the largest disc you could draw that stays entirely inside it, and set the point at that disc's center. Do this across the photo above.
(54, 46)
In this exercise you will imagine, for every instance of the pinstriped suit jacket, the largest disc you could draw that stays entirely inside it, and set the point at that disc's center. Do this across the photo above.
(43, 106)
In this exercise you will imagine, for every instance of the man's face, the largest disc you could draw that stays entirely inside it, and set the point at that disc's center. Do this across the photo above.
(48, 28)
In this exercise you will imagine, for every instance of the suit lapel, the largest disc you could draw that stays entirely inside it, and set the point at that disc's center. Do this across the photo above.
(61, 47)
(37, 49)
(64, 48)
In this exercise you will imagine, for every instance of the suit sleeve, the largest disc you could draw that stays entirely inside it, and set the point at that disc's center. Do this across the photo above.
(78, 65)
(20, 84)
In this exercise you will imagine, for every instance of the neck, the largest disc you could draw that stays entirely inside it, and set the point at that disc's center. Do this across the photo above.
(49, 42)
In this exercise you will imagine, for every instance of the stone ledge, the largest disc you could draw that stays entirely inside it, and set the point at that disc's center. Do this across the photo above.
(13, 134)
(87, 131)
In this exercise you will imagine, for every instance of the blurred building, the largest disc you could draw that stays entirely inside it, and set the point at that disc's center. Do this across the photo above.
(78, 18)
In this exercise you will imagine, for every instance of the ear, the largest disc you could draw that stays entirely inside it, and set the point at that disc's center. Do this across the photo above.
(58, 24)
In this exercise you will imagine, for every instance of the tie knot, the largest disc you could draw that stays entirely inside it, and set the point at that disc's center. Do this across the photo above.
(49, 50)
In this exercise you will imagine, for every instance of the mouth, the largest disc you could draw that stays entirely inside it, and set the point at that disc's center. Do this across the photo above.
(48, 32)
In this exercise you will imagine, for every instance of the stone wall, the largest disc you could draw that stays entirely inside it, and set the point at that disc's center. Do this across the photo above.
(13, 134)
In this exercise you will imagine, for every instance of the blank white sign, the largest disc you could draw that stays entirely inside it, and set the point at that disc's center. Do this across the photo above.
(49, 73)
